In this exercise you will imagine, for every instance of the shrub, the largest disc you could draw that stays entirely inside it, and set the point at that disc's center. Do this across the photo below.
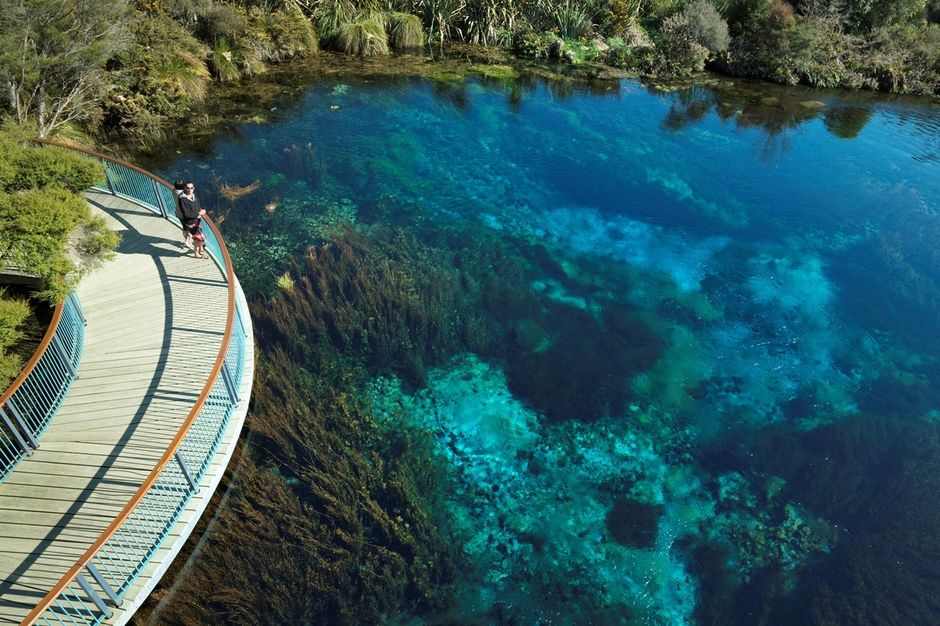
(156, 78)
(707, 26)
(677, 51)
(405, 31)
(47, 227)
(13, 312)
(639, 58)
(35, 167)
(363, 37)
(660, 9)
(222, 21)
(782, 14)
(615, 17)
(903, 60)
(933, 12)
(531, 45)
(746, 14)
(862, 16)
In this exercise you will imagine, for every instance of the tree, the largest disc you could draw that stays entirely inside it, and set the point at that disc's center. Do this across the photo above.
(53, 55)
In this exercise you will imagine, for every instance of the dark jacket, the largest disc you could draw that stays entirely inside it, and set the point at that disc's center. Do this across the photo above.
(190, 208)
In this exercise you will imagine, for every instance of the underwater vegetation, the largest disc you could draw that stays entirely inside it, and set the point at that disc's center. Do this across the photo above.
(328, 518)
(875, 478)
(604, 368)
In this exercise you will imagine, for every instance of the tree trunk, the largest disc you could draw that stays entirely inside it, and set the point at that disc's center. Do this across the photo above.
(41, 110)
(15, 100)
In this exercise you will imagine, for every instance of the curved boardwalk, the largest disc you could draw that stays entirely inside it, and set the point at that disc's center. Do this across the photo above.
(156, 317)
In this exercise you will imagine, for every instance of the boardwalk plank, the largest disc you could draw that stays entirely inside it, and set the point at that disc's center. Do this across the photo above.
(155, 322)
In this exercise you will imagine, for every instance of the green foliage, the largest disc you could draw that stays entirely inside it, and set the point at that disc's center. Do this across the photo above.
(660, 9)
(156, 79)
(46, 227)
(745, 14)
(220, 21)
(442, 17)
(405, 31)
(678, 53)
(26, 167)
(861, 16)
(53, 55)
(329, 17)
(363, 37)
(531, 45)
(631, 58)
(490, 22)
(572, 20)
(223, 61)
(707, 26)
(291, 33)
(932, 11)
(902, 60)
(616, 17)
(13, 312)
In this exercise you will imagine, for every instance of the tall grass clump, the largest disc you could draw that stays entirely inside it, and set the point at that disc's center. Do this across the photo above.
(363, 37)
(405, 31)
(572, 19)
(223, 61)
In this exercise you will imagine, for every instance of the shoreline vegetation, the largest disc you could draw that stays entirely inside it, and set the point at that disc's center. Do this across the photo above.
(48, 231)
(98, 71)
(333, 515)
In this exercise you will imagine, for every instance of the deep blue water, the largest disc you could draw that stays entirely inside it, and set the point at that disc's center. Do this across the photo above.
(780, 452)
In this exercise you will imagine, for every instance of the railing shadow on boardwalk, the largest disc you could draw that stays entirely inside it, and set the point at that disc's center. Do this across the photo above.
(103, 575)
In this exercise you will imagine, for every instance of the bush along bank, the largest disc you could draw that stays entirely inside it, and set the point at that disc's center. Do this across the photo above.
(134, 71)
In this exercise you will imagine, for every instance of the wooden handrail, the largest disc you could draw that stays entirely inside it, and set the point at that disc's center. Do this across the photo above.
(31, 364)
(112, 528)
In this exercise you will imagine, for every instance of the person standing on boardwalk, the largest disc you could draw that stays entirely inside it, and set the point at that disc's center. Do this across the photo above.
(178, 188)
(193, 212)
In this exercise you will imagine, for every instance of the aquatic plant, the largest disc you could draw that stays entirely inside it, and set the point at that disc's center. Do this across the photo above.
(830, 471)
(405, 31)
(383, 302)
(364, 36)
(234, 192)
(285, 282)
(327, 519)
(303, 163)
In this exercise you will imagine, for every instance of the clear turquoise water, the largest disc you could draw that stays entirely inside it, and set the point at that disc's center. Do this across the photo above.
(781, 448)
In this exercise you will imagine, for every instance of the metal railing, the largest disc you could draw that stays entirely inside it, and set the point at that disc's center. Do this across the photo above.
(101, 577)
(32, 399)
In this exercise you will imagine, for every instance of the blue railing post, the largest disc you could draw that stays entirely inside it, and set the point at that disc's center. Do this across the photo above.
(15, 432)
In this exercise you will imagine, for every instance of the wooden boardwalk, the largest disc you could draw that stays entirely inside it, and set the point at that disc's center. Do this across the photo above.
(156, 317)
